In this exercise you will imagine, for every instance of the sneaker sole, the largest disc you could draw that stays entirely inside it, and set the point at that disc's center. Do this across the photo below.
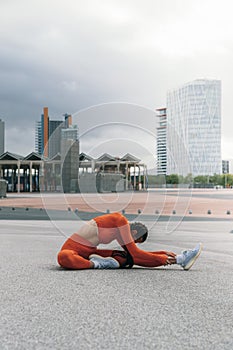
(190, 264)
(102, 257)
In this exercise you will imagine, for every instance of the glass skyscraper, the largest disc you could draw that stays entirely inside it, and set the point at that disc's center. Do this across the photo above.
(161, 141)
(194, 128)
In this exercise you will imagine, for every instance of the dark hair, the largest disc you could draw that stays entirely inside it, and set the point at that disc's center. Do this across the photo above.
(142, 231)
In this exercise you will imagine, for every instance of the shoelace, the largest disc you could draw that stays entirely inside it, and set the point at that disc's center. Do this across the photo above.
(185, 252)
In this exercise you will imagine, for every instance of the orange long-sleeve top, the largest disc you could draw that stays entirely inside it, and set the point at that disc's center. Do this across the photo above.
(116, 227)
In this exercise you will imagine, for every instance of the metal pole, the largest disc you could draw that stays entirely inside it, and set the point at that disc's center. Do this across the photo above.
(30, 176)
(18, 190)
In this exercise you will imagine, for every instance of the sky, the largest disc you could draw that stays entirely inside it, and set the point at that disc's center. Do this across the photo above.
(92, 58)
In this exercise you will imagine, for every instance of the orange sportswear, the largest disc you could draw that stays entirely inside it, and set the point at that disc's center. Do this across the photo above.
(76, 250)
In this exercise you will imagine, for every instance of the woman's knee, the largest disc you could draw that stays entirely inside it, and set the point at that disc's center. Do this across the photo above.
(63, 257)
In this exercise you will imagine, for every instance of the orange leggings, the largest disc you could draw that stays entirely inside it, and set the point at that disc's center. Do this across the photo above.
(74, 255)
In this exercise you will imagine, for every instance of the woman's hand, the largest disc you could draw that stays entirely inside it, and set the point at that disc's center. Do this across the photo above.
(170, 260)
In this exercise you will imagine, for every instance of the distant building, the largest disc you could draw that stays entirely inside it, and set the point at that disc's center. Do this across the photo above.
(48, 134)
(54, 142)
(2, 136)
(42, 134)
(71, 173)
(70, 158)
(21, 173)
(225, 166)
(161, 141)
(111, 174)
(194, 128)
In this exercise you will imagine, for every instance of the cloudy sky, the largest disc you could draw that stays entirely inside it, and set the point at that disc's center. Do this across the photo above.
(72, 55)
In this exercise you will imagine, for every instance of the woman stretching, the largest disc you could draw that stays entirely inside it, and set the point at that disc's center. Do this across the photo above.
(80, 250)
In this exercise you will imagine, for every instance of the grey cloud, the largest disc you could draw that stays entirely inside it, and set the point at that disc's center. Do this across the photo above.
(72, 55)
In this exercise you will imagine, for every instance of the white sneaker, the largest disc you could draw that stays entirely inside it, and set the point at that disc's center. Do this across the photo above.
(104, 263)
(188, 257)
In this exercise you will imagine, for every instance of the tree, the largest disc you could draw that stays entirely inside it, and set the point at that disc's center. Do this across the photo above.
(172, 179)
(216, 179)
(227, 180)
(202, 179)
(188, 179)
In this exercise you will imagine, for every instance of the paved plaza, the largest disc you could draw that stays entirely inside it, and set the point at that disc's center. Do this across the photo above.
(45, 307)
(161, 201)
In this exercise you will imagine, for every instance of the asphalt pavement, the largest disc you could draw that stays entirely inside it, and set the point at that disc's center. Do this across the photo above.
(45, 307)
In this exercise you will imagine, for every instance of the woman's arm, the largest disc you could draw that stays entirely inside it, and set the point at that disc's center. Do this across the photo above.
(140, 257)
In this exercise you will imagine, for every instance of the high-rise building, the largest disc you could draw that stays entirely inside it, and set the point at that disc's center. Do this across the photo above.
(48, 134)
(54, 142)
(70, 158)
(161, 141)
(42, 134)
(194, 128)
(225, 166)
(2, 136)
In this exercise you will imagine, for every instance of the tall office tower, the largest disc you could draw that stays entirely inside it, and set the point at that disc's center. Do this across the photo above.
(225, 166)
(46, 131)
(2, 136)
(54, 142)
(38, 138)
(42, 133)
(70, 158)
(194, 128)
(48, 134)
(161, 141)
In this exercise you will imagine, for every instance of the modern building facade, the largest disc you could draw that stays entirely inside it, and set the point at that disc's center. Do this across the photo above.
(48, 134)
(54, 141)
(194, 128)
(2, 136)
(70, 158)
(42, 134)
(57, 142)
(161, 141)
(225, 166)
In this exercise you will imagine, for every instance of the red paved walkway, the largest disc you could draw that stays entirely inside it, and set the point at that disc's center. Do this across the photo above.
(164, 202)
